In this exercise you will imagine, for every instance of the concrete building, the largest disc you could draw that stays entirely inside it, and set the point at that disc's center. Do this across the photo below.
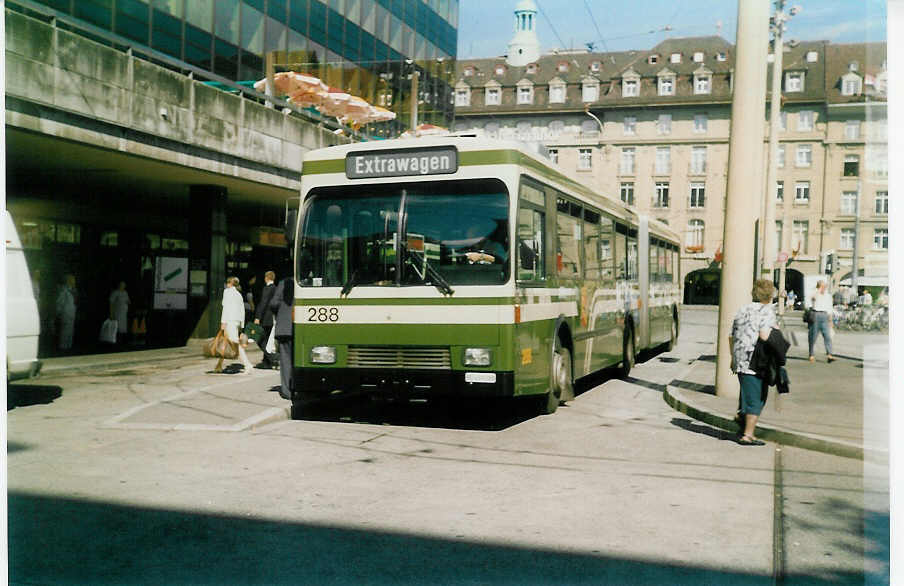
(651, 127)
(125, 163)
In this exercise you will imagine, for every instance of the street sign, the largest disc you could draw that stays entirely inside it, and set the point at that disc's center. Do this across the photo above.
(782, 257)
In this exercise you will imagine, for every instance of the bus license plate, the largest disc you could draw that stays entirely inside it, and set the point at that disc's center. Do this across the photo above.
(480, 377)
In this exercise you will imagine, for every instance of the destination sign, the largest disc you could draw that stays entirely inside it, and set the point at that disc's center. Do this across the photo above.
(433, 161)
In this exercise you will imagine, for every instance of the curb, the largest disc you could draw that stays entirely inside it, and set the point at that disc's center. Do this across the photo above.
(675, 399)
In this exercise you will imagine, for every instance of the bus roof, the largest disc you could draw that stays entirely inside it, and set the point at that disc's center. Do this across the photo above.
(485, 151)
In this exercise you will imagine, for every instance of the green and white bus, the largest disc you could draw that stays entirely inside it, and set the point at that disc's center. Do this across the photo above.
(464, 267)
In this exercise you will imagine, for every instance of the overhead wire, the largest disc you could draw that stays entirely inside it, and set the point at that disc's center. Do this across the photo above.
(596, 26)
(553, 28)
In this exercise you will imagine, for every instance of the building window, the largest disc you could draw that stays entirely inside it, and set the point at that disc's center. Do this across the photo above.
(852, 130)
(664, 124)
(562, 67)
(778, 233)
(695, 235)
(627, 193)
(462, 97)
(590, 92)
(585, 160)
(630, 88)
(877, 160)
(667, 86)
(661, 198)
(781, 156)
(812, 56)
(675, 58)
(849, 203)
(805, 120)
(663, 160)
(698, 160)
(557, 94)
(702, 84)
(851, 86)
(882, 203)
(847, 239)
(525, 95)
(500, 70)
(697, 196)
(630, 125)
(851, 165)
(556, 127)
(532, 68)
(524, 130)
(802, 192)
(653, 59)
(493, 97)
(700, 123)
(469, 71)
(780, 191)
(721, 56)
(794, 81)
(595, 66)
(627, 161)
(880, 239)
(800, 231)
(553, 155)
(804, 155)
(698, 57)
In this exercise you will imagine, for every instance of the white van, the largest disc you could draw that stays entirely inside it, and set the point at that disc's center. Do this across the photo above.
(23, 325)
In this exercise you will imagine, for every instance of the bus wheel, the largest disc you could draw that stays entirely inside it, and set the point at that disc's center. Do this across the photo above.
(673, 338)
(628, 354)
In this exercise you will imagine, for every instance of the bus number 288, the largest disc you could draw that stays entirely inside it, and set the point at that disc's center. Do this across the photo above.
(323, 314)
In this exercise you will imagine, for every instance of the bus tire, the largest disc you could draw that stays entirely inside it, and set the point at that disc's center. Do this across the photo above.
(673, 336)
(629, 354)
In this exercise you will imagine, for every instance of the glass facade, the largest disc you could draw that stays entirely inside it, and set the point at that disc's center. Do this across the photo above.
(368, 48)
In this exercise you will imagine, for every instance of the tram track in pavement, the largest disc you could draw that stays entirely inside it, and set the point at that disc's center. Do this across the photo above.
(778, 520)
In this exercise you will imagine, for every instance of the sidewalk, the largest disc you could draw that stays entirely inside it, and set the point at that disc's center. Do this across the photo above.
(839, 408)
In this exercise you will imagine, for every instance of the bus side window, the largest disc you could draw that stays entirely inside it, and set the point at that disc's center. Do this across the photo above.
(654, 260)
(607, 255)
(591, 244)
(531, 244)
(620, 252)
(570, 233)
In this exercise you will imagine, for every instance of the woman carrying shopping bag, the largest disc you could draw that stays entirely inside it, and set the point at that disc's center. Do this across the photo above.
(232, 321)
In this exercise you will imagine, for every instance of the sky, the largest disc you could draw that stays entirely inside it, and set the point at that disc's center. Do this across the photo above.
(486, 26)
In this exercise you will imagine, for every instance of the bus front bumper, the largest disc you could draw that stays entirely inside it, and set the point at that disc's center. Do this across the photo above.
(403, 384)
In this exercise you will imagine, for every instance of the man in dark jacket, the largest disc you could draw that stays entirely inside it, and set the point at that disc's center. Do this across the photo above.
(263, 316)
(281, 304)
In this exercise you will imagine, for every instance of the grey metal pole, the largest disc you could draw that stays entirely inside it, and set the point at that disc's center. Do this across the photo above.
(748, 109)
(855, 265)
(770, 246)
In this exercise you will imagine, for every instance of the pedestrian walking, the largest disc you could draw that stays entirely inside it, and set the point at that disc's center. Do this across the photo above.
(753, 321)
(281, 305)
(66, 307)
(249, 299)
(232, 320)
(119, 310)
(263, 316)
(820, 304)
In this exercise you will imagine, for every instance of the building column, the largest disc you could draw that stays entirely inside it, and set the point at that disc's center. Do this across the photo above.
(207, 255)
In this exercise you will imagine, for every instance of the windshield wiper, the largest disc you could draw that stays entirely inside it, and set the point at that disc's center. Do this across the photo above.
(436, 279)
(347, 287)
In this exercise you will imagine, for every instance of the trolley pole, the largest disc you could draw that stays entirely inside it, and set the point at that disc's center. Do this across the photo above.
(742, 203)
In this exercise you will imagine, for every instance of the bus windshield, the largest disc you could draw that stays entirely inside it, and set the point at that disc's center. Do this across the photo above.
(403, 234)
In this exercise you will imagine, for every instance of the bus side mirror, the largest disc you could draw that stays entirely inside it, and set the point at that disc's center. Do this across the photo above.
(290, 227)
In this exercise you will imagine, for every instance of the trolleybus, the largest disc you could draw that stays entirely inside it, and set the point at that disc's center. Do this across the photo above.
(462, 267)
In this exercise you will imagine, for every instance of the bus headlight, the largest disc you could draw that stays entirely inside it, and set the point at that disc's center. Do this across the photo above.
(477, 357)
(323, 355)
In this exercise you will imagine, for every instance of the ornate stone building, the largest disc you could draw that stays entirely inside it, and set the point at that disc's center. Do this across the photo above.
(651, 127)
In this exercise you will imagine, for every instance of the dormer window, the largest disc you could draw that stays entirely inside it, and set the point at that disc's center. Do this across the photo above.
(562, 67)
(703, 81)
(590, 90)
(525, 92)
(630, 84)
(698, 57)
(462, 96)
(666, 83)
(852, 66)
(851, 84)
(469, 71)
(653, 59)
(794, 81)
(675, 58)
(556, 92)
(812, 56)
(532, 68)
(499, 70)
(493, 94)
(721, 56)
(595, 66)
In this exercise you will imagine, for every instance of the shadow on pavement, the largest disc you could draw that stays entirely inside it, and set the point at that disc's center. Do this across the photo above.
(703, 429)
(61, 540)
(23, 395)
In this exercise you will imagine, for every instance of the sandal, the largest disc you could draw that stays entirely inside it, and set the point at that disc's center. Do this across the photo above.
(749, 441)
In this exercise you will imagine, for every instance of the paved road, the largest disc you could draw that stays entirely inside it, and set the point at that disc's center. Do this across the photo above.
(160, 473)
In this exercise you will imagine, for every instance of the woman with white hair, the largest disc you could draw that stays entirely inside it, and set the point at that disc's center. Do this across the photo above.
(232, 321)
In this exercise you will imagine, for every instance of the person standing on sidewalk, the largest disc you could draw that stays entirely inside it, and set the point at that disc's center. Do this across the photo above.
(263, 316)
(66, 306)
(232, 321)
(281, 304)
(119, 310)
(821, 309)
(753, 321)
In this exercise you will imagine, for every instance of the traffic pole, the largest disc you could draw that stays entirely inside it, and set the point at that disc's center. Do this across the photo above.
(743, 198)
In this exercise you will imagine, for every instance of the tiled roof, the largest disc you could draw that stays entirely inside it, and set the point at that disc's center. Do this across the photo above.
(869, 58)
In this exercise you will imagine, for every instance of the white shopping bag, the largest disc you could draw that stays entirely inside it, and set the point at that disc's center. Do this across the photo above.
(271, 341)
(108, 331)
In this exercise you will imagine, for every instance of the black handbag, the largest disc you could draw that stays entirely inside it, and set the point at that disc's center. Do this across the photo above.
(808, 316)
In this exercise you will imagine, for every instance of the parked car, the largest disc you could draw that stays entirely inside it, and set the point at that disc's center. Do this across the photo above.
(23, 326)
